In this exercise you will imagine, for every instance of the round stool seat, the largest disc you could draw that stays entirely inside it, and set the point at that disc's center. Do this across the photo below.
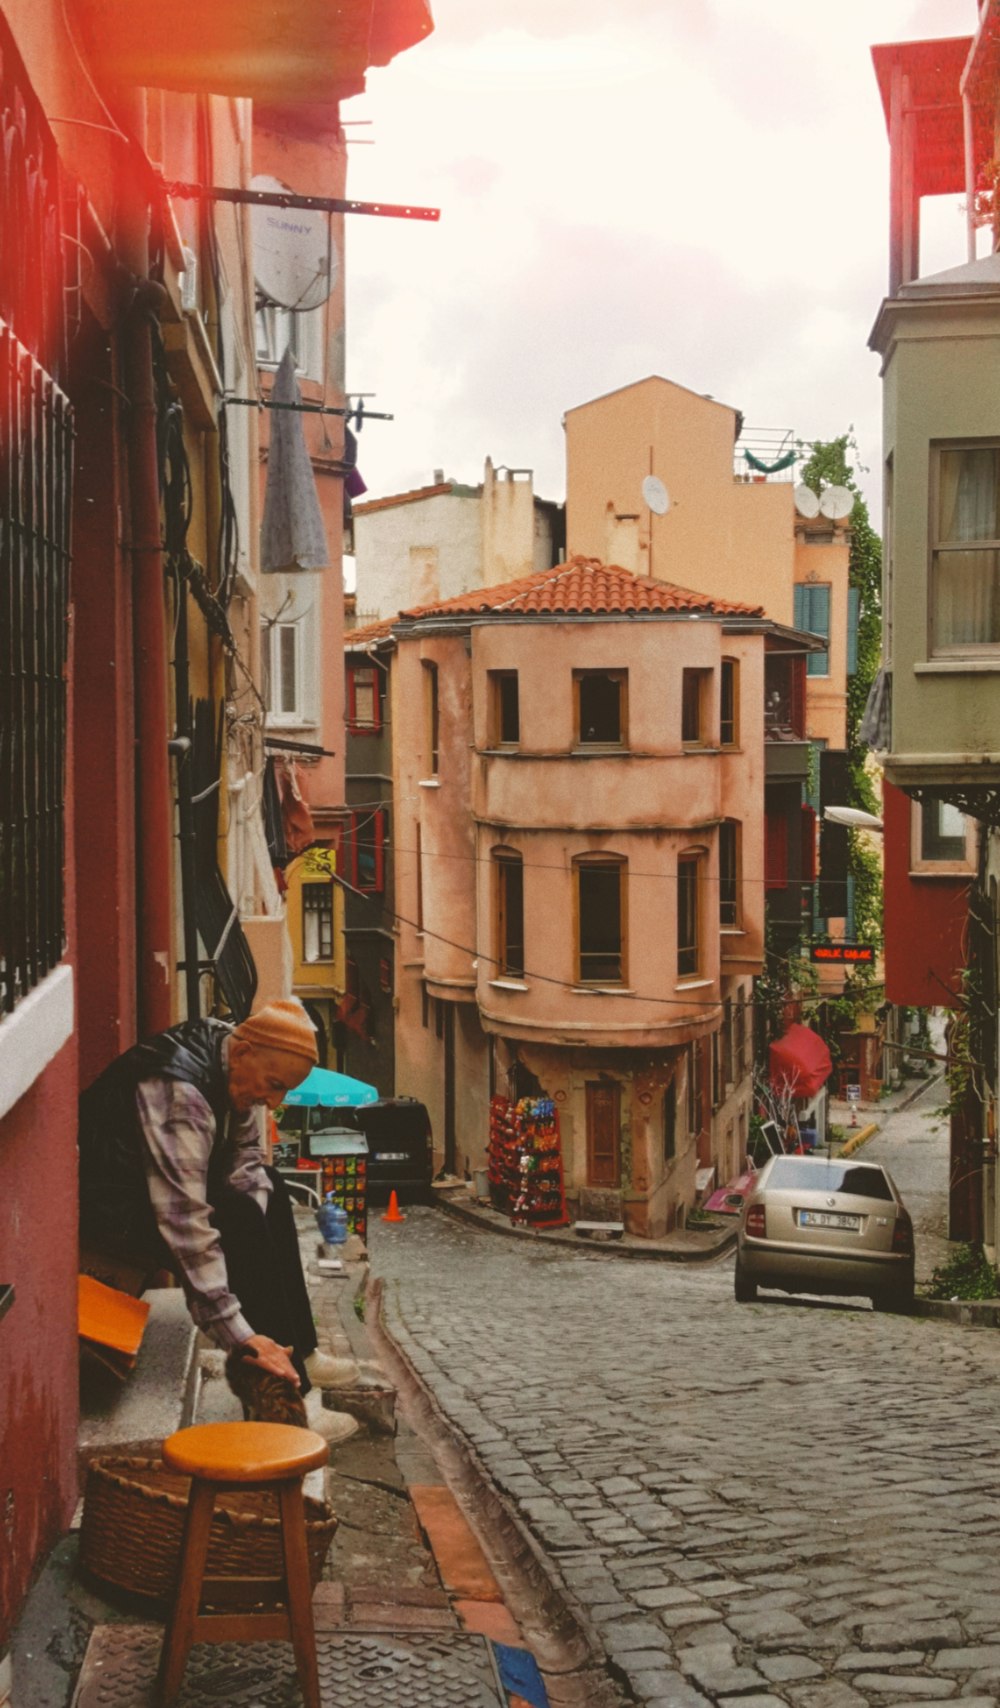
(245, 1452)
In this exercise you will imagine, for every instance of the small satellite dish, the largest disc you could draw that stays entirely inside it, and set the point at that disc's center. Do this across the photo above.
(836, 502)
(655, 495)
(295, 260)
(806, 501)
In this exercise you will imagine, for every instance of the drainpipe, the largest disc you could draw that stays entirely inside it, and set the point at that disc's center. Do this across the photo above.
(968, 140)
(154, 815)
(154, 829)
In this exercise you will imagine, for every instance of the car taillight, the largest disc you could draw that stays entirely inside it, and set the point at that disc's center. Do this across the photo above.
(756, 1225)
(902, 1234)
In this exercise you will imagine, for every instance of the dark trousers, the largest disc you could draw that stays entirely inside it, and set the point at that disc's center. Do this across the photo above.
(261, 1249)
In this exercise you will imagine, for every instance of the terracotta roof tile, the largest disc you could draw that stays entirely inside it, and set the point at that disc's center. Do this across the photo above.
(411, 497)
(367, 633)
(582, 587)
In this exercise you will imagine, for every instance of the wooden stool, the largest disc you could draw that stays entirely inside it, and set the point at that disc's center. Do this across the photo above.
(262, 1455)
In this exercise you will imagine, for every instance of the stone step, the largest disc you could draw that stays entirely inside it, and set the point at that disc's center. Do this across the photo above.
(157, 1397)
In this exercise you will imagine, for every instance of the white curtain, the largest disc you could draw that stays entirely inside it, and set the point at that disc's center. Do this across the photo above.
(966, 588)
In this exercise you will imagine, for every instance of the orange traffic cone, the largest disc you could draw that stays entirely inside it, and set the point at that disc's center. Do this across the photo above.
(393, 1214)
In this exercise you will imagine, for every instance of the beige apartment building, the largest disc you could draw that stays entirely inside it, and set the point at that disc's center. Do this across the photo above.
(578, 782)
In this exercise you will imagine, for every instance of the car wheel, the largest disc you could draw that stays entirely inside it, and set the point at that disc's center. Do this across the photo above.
(744, 1290)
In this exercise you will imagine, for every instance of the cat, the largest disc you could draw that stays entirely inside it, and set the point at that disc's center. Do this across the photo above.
(265, 1398)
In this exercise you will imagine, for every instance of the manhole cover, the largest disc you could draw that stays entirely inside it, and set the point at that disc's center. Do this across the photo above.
(365, 1669)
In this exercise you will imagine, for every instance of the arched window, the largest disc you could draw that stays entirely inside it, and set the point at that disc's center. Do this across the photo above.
(730, 837)
(601, 913)
(690, 913)
(508, 902)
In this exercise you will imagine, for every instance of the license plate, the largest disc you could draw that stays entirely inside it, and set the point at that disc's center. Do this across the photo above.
(390, 1156)
(828, 1219)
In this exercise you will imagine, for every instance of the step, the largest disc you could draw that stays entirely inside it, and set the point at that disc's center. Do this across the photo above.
(134, 1415)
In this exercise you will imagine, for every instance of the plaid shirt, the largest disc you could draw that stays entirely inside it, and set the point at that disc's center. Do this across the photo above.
(179, 1129)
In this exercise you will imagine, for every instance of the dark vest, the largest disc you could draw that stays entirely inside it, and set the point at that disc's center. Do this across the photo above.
(114, 1200)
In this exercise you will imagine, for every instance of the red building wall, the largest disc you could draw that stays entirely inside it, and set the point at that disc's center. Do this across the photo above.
(925, 918)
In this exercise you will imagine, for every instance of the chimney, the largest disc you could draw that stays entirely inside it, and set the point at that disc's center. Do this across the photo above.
(439, 477)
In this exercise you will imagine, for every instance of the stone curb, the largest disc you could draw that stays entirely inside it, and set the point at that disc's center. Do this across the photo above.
(607, 1248)
(971, 1313)
(858, 1139)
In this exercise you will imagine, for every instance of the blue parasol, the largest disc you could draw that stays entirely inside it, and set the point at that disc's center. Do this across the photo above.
(331, 1090)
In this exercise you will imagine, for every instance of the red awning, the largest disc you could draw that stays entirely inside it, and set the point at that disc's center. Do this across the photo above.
(800, 1062)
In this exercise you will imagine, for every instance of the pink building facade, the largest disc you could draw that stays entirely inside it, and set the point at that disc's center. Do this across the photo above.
(579, 848)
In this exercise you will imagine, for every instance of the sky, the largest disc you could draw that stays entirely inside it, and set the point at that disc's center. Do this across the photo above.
(692, 188)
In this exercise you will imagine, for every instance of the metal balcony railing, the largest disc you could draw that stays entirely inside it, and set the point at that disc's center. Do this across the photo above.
(765, 454)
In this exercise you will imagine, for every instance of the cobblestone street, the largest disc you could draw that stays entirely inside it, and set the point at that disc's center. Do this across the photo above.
(785, 1503)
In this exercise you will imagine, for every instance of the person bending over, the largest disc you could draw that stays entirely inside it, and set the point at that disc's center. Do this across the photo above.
(173, 1175)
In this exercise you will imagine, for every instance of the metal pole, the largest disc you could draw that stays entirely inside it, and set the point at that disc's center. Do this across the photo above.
(287, 199)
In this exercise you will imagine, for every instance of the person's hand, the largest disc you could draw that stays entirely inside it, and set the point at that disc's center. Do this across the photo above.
(271, 1356)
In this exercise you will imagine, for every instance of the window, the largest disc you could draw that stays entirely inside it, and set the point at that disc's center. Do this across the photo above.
(317, 922)
(432, 717)
(729, 872)
(694, 707)
(36, 454)
(812, 616)
(504, 711)
(601, 707)
(601, 886)
(367, 850)
(509, 902)
(670, 1121)
(965, 549)
(726, 1041)
(280, 329)
(364, 699)
(688, 933)
(281, 671)
(942, 840)
(420, 881)
(729, 703)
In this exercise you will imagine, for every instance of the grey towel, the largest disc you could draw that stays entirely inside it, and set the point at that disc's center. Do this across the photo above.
(292, 536)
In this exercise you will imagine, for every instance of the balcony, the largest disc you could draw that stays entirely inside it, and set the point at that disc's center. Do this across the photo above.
(765, 455)
(284, 52)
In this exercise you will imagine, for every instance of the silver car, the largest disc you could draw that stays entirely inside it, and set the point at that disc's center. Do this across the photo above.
(826, 1225)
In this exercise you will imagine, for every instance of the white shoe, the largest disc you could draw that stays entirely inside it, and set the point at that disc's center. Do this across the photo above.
(334, 1426)
(325, 1371)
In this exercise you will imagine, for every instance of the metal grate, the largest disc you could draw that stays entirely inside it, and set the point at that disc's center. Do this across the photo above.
(370, 1669)
(36, 437)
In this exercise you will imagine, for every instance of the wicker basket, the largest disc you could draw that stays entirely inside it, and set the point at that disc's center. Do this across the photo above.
(133, 1520)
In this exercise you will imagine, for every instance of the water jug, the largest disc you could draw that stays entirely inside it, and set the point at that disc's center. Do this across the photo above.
(332, 1219)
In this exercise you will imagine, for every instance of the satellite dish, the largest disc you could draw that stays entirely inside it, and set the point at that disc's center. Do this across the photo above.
(806, 501)
(655, 495)
(836, 502)
(295, 260)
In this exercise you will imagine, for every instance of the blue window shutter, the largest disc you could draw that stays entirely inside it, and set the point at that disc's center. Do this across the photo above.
(853, 614)
(816, 614)
(799, 618)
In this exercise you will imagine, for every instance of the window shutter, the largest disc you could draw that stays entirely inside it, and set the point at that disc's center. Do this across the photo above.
(853, 615)
(775, 851)
(800, 619)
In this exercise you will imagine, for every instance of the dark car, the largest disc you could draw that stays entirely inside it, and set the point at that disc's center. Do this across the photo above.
(400, 1152)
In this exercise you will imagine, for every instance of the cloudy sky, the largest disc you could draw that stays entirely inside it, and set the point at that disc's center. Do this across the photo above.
(694, 188)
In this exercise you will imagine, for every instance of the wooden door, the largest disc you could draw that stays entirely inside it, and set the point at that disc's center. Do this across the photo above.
(604, 1153)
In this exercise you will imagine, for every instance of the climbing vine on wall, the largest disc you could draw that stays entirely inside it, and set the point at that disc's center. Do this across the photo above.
(833, 462)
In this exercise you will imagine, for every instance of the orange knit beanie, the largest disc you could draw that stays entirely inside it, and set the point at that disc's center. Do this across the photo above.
(282, 1025)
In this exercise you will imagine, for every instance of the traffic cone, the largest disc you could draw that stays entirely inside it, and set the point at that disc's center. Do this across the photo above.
(393, 1214)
